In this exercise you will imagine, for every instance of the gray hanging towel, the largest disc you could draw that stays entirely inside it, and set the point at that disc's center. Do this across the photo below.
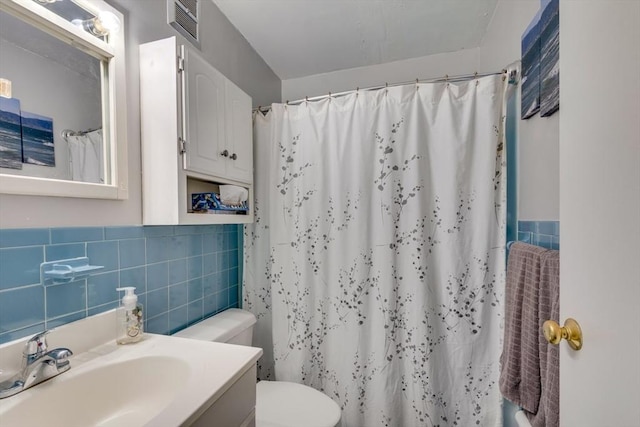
(548, 414)
(520, 379)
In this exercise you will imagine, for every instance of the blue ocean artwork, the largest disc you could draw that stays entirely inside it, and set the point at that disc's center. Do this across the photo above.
(37, 140)
(531, 69)
(10, 134)
(550, 58)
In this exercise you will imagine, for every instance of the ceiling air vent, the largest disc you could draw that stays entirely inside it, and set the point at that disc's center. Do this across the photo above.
(183, 16)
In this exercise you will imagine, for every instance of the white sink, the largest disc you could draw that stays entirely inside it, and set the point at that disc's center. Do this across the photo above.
(160, 381)
(128, 393)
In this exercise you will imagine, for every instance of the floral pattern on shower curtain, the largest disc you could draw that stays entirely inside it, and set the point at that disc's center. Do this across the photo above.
(376, 262)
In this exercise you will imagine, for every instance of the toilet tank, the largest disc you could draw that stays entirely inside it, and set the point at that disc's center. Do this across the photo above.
(233, 326)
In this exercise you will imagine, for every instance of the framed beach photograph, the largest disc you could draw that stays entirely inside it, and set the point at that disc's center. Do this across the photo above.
(531, 69)
(10, 133)
(550, 58)
(37, 140)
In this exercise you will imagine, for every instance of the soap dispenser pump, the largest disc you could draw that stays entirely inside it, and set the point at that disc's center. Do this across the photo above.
(129, 317)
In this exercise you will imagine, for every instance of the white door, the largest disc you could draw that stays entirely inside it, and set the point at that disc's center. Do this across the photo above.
(204, 116)
(600, 211)
(239, 134)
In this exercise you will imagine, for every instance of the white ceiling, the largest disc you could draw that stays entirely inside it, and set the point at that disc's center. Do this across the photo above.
(299, 38)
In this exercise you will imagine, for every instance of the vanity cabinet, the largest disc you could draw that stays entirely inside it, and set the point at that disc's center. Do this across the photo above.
(196, 134)
(236, 407)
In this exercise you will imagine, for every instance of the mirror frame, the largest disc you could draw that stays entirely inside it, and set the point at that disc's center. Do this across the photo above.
(114, 102)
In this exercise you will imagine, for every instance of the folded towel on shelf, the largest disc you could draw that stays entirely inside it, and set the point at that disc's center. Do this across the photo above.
(232, 195)
(528, 363)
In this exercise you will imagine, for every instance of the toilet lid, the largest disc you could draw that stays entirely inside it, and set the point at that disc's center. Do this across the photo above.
(285, 404)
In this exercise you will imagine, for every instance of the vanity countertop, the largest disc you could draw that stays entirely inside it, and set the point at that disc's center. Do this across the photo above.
(186, 375)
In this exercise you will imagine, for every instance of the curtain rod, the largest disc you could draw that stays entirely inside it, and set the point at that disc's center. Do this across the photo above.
(511, 72)
(68, 132)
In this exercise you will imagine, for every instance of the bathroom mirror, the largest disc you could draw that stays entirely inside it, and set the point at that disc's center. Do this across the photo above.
(62, 99)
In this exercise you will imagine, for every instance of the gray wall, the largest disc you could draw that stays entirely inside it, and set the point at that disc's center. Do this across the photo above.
(221, 44)
(145, 20)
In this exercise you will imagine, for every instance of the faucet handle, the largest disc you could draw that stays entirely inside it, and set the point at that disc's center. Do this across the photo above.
(61, 358)
(36, 346)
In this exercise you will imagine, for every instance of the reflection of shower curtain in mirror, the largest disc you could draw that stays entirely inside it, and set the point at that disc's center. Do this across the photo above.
(85, 157)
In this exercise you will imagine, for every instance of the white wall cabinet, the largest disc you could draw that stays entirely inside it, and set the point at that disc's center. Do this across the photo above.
(196, 134)
(238, 115)
(203, 119)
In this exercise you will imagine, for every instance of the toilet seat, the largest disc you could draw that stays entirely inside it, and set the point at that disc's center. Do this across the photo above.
(286, 404)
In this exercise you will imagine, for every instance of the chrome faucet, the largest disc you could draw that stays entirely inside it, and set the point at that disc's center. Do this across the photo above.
(38, 365)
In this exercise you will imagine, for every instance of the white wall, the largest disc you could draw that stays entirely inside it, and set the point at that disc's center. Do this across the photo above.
(499, 47)
(145, 21)
(538, 137)
(461, 62)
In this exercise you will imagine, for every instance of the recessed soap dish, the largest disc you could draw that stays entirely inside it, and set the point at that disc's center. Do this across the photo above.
(67, 270)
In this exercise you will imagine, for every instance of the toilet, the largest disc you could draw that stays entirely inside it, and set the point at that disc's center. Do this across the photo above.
(278, 403)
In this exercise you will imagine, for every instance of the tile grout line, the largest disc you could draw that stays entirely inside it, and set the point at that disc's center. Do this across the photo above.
(21, 327)
(222, 245)
(44, 291)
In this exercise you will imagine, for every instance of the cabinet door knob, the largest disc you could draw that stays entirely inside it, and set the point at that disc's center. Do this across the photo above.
(225, 153)
(233, 156)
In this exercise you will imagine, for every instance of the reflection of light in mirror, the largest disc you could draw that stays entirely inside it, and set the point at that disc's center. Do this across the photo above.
(103, 24)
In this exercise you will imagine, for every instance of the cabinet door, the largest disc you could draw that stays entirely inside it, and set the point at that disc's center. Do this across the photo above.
(239, 134)
(203, 116)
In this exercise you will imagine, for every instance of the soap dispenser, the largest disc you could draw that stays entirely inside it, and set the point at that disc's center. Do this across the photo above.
(129, 317)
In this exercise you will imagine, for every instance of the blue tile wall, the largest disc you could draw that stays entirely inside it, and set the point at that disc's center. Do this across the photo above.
(182, 274)
(540, 233)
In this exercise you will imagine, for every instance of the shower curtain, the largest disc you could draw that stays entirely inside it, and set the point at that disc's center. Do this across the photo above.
(376, 262)
(85, 157)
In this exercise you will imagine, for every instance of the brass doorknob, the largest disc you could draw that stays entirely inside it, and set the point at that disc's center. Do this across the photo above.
(571, 331)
